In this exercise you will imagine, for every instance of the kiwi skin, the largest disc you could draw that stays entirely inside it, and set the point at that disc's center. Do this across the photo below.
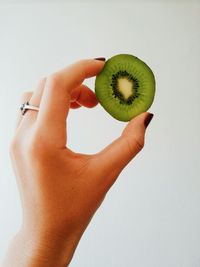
(135, 70)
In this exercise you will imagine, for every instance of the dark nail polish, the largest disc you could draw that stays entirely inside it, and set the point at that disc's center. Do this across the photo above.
(100, 58)
(148, 119)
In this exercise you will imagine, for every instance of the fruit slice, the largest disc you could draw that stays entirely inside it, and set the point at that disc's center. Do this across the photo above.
(125, 87)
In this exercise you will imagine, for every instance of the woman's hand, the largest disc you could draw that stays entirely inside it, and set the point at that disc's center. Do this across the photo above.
(61, 190)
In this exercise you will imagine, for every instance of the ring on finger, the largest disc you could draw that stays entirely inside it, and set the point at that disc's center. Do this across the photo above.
(26, 106)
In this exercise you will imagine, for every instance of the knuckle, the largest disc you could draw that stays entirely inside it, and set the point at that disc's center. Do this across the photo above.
(53, 80)
(14, 146)
(33, 152)
(139, 142)
(31, 149)
(42, 81)
(134, 145)
(37, 147)
(34, 148)
(82, 67)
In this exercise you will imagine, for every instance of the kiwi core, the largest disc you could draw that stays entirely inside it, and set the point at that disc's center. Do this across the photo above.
(125, 87)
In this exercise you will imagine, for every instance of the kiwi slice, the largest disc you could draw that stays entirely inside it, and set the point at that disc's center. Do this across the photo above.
(125, 87)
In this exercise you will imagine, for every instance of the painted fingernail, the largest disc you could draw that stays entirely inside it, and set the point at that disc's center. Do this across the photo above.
(100, 58)
(148, 119)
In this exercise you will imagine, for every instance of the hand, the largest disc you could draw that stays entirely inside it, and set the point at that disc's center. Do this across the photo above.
(61, 190)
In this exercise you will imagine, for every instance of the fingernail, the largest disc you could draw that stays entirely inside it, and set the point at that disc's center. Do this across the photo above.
(100, 58)
(148, 119)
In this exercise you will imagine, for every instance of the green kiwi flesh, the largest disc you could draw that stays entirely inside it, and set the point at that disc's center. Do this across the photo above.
(125, 87)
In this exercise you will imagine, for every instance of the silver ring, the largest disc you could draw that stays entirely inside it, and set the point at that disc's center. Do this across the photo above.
(25, 106)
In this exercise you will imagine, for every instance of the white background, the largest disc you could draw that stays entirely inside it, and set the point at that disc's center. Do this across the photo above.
(151, 217)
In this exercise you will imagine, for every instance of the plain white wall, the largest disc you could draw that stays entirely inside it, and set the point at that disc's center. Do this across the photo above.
(151, 217)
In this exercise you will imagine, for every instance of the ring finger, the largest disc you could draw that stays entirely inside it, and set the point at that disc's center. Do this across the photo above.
(31, 115)
(26, 96)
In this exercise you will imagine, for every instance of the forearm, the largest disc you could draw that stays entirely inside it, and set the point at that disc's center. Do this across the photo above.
(26, 251)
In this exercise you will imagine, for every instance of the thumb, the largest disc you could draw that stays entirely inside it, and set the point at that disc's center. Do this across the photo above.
(116, 156)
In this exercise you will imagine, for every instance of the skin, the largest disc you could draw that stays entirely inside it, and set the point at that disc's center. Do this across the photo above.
(60, 190)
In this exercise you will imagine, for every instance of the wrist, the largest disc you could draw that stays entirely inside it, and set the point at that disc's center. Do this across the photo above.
(38, 251)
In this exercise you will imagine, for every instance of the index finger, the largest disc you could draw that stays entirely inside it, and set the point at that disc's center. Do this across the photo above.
(55, 102)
